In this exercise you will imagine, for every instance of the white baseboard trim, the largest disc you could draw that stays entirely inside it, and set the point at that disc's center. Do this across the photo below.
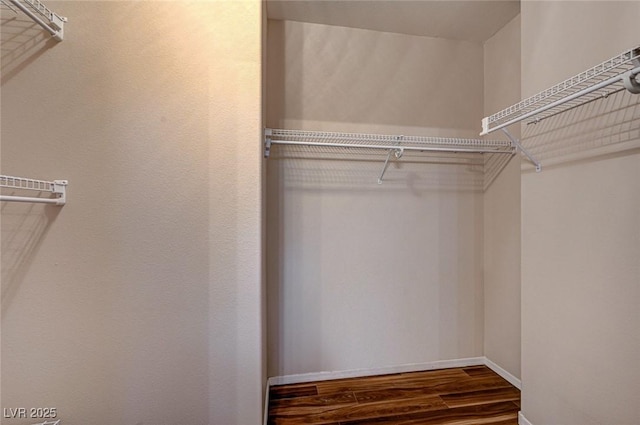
(265, 408)
(506, 375)
(387, 370)
(522, 420)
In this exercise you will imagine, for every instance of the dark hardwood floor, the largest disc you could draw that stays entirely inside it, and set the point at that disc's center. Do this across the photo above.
(461, 396)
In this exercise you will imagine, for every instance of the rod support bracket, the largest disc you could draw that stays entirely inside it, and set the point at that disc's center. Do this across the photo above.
(485, 126)
(60, 190)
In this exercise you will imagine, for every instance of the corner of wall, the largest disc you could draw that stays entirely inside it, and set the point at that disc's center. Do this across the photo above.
(502, 210)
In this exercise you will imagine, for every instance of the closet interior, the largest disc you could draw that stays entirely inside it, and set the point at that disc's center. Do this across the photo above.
(392, 251)
(271, 193)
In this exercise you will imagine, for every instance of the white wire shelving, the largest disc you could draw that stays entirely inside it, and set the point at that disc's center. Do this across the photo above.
(394, 145)
(611, 76)
(56, 187)
(40, 14)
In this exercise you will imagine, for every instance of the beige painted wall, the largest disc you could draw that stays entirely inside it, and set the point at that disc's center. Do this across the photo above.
(345, 79)
(502, 210)
(580, 232)
(139, 302)
(362, 275)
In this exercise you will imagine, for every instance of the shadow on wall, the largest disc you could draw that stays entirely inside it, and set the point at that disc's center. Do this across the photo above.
(366, 275)
(332, 169)
(603, 127)
(493, 166)
(22, 42)
(24, 227)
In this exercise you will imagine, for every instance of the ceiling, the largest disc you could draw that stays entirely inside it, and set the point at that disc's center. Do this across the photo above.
(475, 20)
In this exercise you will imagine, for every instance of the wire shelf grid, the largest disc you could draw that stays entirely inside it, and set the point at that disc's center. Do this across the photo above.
(40, 8)
(551, 102)
(383, 141)
(442, 150)
(56, 187)
(26, 184)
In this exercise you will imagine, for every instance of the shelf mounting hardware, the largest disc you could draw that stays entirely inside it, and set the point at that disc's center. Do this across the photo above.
(267, 142)
(42, 15)
(398, 152)
(630, 79)
(519, 147)
(56, 187)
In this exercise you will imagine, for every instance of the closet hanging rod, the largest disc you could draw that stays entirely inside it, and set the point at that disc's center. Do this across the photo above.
(587, 86)
(386, 148)
(56, 187)
(43, 16)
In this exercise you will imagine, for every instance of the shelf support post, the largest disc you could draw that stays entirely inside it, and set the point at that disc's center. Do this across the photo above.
(519, 147)
(384, 167)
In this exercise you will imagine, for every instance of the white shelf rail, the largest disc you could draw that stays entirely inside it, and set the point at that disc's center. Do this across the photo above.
(394, 145)
(616, 74)
(41, 15)
(56, 187)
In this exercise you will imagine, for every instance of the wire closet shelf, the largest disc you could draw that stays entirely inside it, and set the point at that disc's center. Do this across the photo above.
(611, 76)
(383, 142)
(55, 187)
(40, 14)
(395, 145)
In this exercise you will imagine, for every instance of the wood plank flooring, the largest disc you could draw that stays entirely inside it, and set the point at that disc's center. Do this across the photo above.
(460, 396)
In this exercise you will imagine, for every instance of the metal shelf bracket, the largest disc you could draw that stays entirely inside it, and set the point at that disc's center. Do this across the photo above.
(43, 16)
(516, 144)
(268, 133)
(398, 152)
